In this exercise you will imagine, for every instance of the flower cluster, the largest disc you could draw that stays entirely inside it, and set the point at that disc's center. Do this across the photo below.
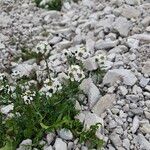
(42, 48)
(2, 76)
(28, 97)
(79, 53)
(50, 87)
(75, 73)
(100, 59)
(16, 74)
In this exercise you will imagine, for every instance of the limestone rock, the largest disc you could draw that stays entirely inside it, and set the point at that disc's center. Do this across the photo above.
(124, 75)
(105, 102)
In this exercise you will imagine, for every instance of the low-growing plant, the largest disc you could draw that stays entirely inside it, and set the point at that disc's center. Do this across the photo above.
(38, 110)
(49, 4)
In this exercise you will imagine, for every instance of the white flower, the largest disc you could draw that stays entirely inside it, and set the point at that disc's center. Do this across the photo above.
(16, 74)
(81, 54)
(75, 73)
(28, 97)
(100, 58)
(2, 76)
(50, 87)
(42, 48)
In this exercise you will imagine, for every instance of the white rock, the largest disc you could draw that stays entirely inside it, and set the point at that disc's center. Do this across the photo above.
(137, 89)
(55, 40)
(107, 44)
(92, 119)
(60, 144)
(133, 43)
(142, 37)
(90, 64)
(122, 25)
(25, 145)
(105, 102)
(112, 76)
(48, 148)
(6, 109)
(123, 90)
(146, 21)
(135, 124)
(146, 68)
(144, 144)
(2, 46)
(65, 134)
(133, 2)
(147, 88)
(91, 90)
(111, 57)
(145, 128)
(89, 119)
(115, 139)
(130, 12)
(50, 137)
(126, 144)
(144, 81)
(25, 69)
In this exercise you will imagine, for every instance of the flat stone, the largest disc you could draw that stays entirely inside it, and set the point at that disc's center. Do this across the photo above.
(6, 109)
(60, 144)
(126, 144)
(130, 12)
(107, 44)
(142, 37)
(146, 68)
(90, 64)
(105, 102)
(112, 76)
(65, 134)
(133, 43)
(91, 90)
(144, 144)
(135, 124)
(122, 25)
(144, 81)
(146, 21)
(115, 139)
(145, 128)
(2, 46)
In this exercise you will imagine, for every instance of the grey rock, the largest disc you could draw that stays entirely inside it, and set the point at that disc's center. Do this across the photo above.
(135, 124)
(60, 144)
(126, 144)
(115, 139)
(48, 148)
(112, 76)
(2, 46)
(144, 81)
(6, 109)
(90, 64)
(145, 128)
(50, 137)
(147, 114)
(105, 102)
(122, 25)
(132, 2)
(146, 21)
(142, 37)
(146, 68)
(130, 12)
(144, 144)
(123, 90)
(65, 134)
(25, 145)
(133, 43)
(91, 90)
(107, 44)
